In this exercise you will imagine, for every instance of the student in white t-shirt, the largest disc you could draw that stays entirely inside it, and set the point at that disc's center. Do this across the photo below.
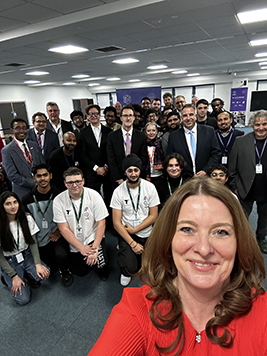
(80, 215)
(19, 255)
(134, 206)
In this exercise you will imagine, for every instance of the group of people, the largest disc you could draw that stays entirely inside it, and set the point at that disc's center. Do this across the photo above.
(72, 178)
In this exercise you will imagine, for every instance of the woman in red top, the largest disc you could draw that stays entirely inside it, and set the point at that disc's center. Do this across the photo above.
(203, 274)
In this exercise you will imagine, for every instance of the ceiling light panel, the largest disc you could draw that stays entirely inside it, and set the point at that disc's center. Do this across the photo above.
(252, 16)
(125, 61)
(69, 49)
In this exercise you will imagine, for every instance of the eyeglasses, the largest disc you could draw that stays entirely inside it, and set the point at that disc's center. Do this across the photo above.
(77, 118)
(127, 116)
(18, 128)
(77, 182)
(135, 170)
(218, 174)
(93, 113)
(40, 121)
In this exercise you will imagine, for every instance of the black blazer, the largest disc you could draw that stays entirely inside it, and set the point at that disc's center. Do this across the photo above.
(89, 151)
(116, 152)
(65, 125)
(50, 141)
(208, 149)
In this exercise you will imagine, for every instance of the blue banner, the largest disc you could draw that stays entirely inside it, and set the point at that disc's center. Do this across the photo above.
(134, 96)
(239, 99)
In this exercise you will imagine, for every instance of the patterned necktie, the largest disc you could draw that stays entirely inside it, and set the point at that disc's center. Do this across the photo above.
(39, 140)
(193, 143)
(128, 144)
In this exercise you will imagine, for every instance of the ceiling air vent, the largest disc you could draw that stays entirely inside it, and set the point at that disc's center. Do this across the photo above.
(109, 49)
(14, 64)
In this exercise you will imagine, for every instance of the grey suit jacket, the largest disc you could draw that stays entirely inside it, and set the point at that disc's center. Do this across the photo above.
(242, 164)
(18, 169)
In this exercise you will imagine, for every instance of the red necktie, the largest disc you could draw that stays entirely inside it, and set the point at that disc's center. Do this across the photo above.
(39, 140)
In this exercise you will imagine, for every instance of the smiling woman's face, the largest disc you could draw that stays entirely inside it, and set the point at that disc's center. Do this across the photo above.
(204, 245)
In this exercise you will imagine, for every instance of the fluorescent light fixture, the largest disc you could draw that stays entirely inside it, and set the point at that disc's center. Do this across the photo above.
(192, 74)
(43, 84)
(157, 66)
(263, 64)
(31, 81)
(258, 42)
(252, 16)
(69, 49)
(113, 79)
(134, 80)
(91, 79)
(37, 72)
(262, 54)
(93, 84)
(125, 60)
(80, 76)
(180, 72)
(264, 67)
(69, 83)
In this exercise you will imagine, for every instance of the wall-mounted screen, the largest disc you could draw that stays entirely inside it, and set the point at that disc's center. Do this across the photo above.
(258, 100)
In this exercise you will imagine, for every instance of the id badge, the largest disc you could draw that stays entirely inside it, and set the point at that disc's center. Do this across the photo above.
(79, 231)
(19, 257)
(44, 224)
(224, 159)
(258, 168)
(136, 222)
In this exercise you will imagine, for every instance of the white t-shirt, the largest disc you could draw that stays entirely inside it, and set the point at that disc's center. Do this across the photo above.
(21, 241)
(93, 210)
(148, 198)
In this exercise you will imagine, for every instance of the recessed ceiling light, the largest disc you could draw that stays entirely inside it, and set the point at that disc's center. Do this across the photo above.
(263, 64)
(80, 76)
(157, 66)
(93, 84)
(69, 83)
(252, 16)
(262, 54)
(264, 67)
(192, 74)
(31, 81)
(134, 80)
(125, 60)
(69, 49)
(36, 72)
(180, 72)
(113, 79)
(258, 42)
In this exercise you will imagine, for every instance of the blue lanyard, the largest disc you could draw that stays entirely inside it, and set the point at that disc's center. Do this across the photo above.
(225, 147)
(262, 151)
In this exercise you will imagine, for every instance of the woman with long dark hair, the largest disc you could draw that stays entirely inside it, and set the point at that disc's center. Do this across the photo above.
(18, 251)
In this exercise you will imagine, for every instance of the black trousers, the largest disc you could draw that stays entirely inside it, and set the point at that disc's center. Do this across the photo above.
(128, 261)
(247, 205)
(56, 255)
(78, 264)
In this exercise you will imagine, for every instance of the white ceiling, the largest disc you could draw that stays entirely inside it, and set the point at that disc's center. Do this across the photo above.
(197, 35)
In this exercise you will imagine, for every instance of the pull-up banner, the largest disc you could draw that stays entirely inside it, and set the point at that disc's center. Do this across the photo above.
(134, 96)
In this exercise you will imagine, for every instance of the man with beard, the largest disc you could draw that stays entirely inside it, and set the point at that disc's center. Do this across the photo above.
(156, 105)
(226, 135)
(202, 114)
(110, 117)
(78, 120)
(63, 158)
(53, 248)
(173, 122)
(134, 209)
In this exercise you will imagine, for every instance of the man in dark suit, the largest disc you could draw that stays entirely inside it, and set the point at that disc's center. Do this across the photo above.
(55, 123)
(226, 135)
(93, 153)
(197, 144)
(18, 158)
(47, 140)
(124, 141)
(248, 172)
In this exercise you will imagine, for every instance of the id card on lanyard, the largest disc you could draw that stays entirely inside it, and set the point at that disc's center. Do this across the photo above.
(79, 229)
(136, 221)
(259, 167)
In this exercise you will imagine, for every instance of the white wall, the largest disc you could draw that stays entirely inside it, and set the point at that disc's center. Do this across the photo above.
(36, 98)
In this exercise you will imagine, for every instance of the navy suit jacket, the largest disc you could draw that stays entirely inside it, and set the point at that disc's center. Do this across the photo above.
(208, 150)
(66, 126)
(18, 169)
(116, 152)
(50, 141)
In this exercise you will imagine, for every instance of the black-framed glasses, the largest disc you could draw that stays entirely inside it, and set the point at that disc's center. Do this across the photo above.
(93, 113)
(77, 182)
(18, 128)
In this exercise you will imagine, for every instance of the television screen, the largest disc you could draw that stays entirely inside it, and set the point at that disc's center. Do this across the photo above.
(258, 100)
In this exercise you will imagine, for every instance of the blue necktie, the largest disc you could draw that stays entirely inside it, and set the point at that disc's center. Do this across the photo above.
(193, 143)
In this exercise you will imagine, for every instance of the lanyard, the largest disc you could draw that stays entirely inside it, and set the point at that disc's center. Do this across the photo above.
(17, 242)
(72, 159)
(225, 147)
(29, 159)
(138, 198)
(169, 186)
(38, 206)
(151, 157)
(80, 209)
(257, 151)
